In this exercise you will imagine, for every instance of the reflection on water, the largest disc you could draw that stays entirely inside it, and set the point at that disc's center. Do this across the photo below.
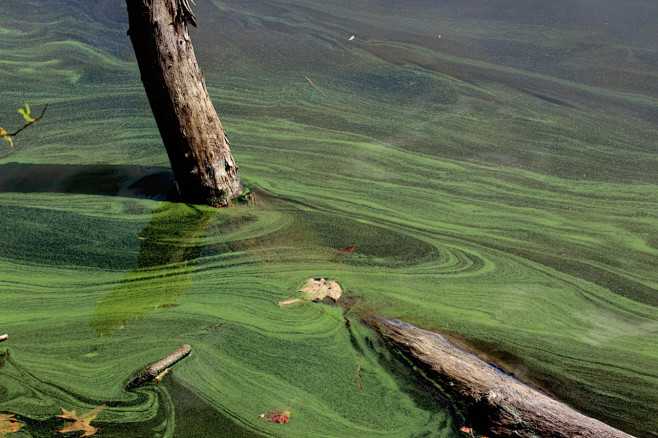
(169, 245)
(192, 408)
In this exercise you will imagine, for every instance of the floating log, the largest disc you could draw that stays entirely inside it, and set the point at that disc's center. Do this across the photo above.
(156, 370)
(498, 403)
(4, 337)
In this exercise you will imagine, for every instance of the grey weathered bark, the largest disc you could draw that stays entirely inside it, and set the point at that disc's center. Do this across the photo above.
(151, 372)
(498, 404)
(196, 143)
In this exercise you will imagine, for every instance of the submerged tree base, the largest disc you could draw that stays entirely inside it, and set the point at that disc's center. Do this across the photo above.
(497, 402)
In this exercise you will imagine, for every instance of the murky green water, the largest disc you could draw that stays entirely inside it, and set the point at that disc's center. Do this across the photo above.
(495, 166)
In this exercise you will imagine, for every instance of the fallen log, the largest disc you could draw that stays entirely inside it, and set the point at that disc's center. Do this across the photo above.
(152, 372)
(4, 337)
(498, 403)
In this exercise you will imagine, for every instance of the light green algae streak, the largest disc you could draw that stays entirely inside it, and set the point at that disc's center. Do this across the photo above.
(495, 189)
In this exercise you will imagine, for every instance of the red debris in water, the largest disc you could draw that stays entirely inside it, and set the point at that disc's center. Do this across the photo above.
(276, 416)
(346, 250)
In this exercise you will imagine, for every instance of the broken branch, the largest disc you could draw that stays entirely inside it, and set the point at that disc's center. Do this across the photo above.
(31, 122)
(151, 372)
(311, 82)
(358, 375)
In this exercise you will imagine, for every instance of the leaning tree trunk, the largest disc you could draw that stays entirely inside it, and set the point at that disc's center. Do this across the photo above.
(196, 143)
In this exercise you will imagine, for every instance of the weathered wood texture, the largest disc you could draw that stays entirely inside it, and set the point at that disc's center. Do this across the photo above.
(497, 404)
(149, 373)
(196, 143)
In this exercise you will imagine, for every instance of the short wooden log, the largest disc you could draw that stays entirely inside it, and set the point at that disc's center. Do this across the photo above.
(151, 372)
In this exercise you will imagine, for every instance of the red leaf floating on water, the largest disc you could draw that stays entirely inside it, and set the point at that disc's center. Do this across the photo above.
(215, 326)
(276, 416)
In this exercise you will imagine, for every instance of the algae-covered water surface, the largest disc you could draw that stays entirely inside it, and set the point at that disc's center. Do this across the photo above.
(493, 164)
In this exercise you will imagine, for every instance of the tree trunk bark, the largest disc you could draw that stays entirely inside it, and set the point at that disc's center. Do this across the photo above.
(496, 403)
(196, 143)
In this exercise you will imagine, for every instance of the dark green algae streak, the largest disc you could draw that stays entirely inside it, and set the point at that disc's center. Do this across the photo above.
(498, 182)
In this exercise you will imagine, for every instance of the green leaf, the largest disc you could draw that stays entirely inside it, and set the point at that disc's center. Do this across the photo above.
(26, 113)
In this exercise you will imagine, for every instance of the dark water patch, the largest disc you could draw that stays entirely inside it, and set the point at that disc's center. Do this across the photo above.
(373, 245)
(553, 100)
(190, 408)
(397, 82)
(145, 413)
(575, 86)
(99, 179)
(66, 238)
(101, 25)
(333, 238)
(160, 186)
(608, 279)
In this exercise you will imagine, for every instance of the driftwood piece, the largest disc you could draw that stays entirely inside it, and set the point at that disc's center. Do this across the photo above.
(152, 372)
(4, 337)
(497, 402)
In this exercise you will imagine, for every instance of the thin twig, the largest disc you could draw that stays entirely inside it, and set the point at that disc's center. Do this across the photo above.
(294, 300)
(216, 326)
(29, 123)
(311, 82)
(358, 375)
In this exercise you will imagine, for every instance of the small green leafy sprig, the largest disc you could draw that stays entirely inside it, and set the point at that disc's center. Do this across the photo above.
(29, 120)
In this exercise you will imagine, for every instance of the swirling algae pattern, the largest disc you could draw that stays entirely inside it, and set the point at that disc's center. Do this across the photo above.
(507, 200)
